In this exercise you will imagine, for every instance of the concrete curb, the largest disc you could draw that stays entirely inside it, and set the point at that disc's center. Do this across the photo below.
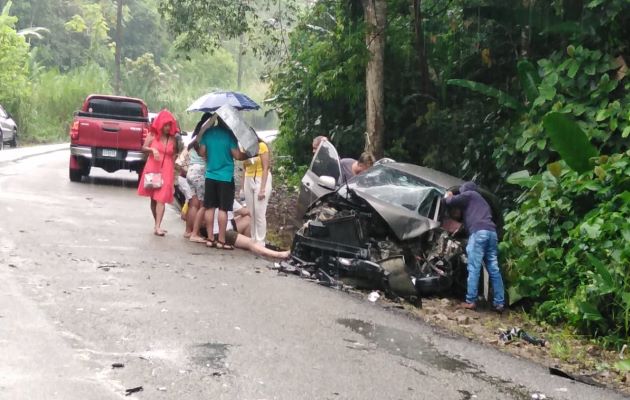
(14, 155)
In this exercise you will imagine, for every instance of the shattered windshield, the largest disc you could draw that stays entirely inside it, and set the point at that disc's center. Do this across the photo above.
(398, 188)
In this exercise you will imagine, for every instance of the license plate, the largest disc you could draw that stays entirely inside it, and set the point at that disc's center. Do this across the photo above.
(109, 153)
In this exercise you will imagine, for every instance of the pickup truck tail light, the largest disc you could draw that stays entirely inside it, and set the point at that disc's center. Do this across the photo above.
(74, 130)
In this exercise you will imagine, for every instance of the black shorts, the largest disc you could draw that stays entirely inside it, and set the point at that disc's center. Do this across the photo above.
(219, 195)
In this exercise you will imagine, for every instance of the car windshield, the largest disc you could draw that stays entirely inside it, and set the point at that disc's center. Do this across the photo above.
(398, 188)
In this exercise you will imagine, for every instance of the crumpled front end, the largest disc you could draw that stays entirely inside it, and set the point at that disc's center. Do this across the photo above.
(346, 242)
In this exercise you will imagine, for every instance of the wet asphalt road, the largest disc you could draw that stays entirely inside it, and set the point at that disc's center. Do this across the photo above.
(84, 284)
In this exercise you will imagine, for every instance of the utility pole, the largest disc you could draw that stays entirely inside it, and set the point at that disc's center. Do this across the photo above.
(239, 81)
(119, 40)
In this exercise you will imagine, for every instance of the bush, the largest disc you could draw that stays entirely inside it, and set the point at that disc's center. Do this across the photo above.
(567, 247)
(47, 114)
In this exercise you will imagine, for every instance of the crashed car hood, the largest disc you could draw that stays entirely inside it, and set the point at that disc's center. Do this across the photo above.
(405, 224)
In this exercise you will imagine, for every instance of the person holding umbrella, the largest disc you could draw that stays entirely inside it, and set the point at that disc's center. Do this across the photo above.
(220, 148)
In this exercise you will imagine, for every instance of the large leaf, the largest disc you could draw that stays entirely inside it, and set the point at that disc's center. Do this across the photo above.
(523, 179)
(503, 98)
(528, 76)
(570, 141)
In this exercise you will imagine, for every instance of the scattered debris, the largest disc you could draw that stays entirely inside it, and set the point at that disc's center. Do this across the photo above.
(12, 266)
(562, 389)
(578, 378)
(512, 334)
(538, 396)
(129, 392)
(373, 297)
(162, 389)
(118, 365)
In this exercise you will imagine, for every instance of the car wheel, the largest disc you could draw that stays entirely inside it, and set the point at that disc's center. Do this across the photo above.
(85, 171)
(14, 142)
(75, 175)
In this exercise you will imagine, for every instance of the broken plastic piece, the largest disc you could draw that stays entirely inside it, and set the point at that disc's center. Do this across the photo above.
(131, 391)
(118, 365)
(374, 296)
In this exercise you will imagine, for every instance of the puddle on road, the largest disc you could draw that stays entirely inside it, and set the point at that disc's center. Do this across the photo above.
(404, 344)
(212, 355)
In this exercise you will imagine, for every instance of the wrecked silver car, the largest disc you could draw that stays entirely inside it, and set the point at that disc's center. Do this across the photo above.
(386, 229)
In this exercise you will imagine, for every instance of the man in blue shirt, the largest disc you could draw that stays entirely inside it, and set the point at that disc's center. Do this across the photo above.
(220, 148)
(482, 243)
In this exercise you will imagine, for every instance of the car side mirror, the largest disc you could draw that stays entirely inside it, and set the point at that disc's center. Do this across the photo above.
(327, 182)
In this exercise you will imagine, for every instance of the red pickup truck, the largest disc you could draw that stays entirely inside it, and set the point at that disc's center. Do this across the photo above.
(108, 133)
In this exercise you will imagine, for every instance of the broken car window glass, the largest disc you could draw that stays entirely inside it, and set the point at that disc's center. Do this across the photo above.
(398, 188)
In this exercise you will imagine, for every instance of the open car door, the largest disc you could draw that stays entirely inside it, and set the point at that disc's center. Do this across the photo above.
(320, 178)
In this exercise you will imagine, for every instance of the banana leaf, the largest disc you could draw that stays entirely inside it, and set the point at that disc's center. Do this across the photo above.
(570, 141)
(503, 98)
(528, 76)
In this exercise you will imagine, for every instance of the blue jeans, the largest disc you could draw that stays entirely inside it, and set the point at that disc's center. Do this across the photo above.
(482, 245)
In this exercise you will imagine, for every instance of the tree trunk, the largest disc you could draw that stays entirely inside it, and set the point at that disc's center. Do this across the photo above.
(375, 12)
(119, 39)
(423, 65)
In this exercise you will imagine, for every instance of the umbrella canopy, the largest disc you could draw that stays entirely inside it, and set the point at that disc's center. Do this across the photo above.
(245, 135)
(212, 101)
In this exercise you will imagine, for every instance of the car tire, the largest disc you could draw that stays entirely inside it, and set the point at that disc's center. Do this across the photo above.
(14, 141)
(75, 175)
(85, 171)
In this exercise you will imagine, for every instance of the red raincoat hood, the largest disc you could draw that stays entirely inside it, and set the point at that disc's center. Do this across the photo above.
(163, 118)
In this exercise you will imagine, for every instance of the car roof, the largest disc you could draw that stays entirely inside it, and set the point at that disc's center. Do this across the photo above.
(431, 176)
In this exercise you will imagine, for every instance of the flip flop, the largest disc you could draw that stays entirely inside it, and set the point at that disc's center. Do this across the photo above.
(197, 240)
(159, 233)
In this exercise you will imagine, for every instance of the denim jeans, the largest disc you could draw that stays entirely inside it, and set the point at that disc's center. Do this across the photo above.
(482, 245)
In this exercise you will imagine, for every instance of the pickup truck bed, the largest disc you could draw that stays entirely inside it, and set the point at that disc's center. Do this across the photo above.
(108, 133)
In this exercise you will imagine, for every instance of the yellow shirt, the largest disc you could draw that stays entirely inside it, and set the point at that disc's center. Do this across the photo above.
(253, 166)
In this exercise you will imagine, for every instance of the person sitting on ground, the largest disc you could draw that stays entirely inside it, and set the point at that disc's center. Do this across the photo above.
(351, 167)
(317, 141)
(238, 230)
(482, 243)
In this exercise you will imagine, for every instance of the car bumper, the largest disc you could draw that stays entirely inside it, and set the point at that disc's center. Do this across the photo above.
(128, 156)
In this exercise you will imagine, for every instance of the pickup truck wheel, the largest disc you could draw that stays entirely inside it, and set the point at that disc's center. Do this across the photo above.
(85, 171)
(75, 175)
(14, 142)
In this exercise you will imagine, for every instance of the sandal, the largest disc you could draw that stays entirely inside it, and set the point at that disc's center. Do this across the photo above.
(211, 244)
(197, 239)
(224, 246)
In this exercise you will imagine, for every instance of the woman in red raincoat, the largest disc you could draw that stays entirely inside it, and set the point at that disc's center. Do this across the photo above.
(160, 144)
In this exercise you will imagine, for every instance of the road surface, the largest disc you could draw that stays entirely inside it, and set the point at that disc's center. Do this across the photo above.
(85, 284)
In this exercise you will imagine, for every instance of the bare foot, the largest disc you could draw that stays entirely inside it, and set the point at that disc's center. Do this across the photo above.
(187, 235)
(197, 239)
(159, 232)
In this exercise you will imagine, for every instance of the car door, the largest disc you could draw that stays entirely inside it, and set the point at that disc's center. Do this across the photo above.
(325, 163)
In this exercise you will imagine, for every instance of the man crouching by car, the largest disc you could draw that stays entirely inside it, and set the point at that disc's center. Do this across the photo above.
(482, 243)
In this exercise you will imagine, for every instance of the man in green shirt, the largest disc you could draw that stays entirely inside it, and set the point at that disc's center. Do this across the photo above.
(220, 148)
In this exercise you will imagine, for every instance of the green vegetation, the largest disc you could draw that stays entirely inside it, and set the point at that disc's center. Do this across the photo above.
(54, 53)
